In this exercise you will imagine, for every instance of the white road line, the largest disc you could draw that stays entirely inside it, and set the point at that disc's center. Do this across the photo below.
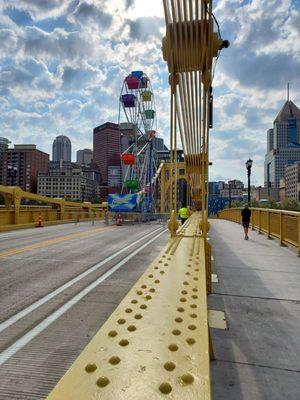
(20, 343)
(21, 314)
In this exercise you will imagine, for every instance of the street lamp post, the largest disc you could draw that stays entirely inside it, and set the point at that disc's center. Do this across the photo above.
(248, 167)
(82, 192)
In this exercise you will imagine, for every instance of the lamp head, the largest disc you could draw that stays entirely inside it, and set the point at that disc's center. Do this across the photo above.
(249, 163)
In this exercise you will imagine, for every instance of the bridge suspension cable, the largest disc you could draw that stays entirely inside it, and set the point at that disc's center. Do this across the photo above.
(189, 47)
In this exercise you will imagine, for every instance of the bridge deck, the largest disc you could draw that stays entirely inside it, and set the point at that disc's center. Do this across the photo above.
(259, 290)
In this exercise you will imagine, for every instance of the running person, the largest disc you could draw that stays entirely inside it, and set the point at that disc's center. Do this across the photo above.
(246, 215)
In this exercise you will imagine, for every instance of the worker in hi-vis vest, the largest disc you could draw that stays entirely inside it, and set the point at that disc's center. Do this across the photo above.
(183, 214)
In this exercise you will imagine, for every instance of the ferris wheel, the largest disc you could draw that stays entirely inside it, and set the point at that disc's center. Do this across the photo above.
(137, 122)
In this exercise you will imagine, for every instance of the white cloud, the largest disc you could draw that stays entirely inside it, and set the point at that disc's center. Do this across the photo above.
(64, 70)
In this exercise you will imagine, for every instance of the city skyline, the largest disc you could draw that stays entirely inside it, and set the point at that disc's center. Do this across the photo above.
(63, 65)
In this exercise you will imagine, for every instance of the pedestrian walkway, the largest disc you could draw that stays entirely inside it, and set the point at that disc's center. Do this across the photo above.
(258, 357)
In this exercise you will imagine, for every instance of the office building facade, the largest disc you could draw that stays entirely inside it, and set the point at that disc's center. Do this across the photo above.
(67, 181)
(292, 181)
(106, 148)
(3, 148)
(283, 144)
(84, 156)
(26, 161)
(61, 149)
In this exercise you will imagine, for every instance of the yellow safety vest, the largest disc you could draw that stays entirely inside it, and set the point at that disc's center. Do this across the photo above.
(183, 212)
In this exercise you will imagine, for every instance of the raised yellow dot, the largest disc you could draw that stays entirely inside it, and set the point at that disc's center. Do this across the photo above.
(169, 366)
(131, 328)
(190, 341)
(123, 342)
(112, 333)
(102, 381)
(187, 379)
(165, 388)
(114, 360)
(90, 368)
(173, 347)
(121, 321)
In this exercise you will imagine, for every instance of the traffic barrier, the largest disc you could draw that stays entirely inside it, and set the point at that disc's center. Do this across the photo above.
(280, 224)
(119, 219)
(40, 221)
(157, 342)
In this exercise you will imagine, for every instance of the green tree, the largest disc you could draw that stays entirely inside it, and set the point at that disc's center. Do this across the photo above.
(291, 205)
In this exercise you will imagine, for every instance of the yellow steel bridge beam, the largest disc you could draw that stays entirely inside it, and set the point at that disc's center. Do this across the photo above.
(156, 343)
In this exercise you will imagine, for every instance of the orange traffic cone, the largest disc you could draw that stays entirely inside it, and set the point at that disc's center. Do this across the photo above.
(119, 219)
(40, 221)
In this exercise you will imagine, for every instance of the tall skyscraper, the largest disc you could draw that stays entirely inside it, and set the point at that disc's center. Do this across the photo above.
(84, 156)
(61, 149)
(283, 144)
(106, 148)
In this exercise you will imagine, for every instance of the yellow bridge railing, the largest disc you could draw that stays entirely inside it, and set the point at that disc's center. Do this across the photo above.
(279, 224)
(14, 215)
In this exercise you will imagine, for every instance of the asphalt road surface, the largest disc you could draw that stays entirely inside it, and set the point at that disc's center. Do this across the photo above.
(58, 285)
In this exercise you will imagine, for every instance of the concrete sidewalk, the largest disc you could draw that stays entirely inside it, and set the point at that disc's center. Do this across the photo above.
(258, 357)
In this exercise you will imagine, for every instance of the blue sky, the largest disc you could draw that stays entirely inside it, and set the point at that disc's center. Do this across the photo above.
(62, 64)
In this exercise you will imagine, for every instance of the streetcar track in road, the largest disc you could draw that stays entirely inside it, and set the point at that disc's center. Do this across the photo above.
(50, 242)
(21, 314)
(25, 339)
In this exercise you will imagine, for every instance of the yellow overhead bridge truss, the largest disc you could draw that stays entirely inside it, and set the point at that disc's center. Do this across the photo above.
(14, 215)
(156, 344)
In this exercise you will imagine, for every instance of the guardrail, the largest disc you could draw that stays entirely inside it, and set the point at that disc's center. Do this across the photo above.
(279, 224)
(156, 343)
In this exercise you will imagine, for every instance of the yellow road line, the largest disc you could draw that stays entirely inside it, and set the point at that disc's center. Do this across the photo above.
(46, 243)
